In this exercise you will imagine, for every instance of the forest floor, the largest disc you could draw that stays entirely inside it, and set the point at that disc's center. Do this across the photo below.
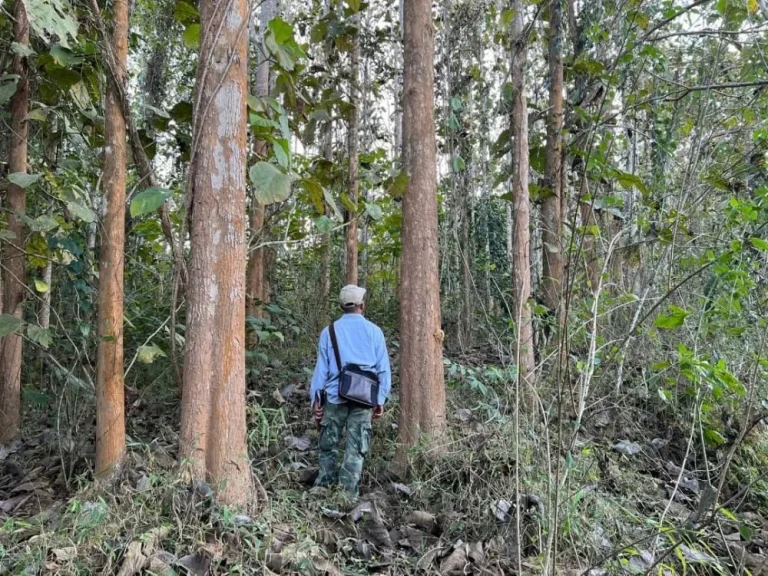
(631, 499)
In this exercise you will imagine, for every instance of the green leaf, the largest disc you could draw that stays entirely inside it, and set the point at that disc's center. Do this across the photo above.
(182, 112)
(41, 286)
(191, 36)
(399, 184)
(272, 185)
(52, 18)
(63, 56)
(81, 211)
(185, 13)
(149, 200)
(324, 224)
(506, 17)
(316, 194)
(22, 50)
(458, 163)
(38, 114)
(39, 335)
(9, 324)
(759, 243)
(8, 87)
(149, 353)
(331, 203)
(673, 319)
(353, 6)
(374, 211)
(629, 181)
(23, 180)
(281, 149)
(42, 223)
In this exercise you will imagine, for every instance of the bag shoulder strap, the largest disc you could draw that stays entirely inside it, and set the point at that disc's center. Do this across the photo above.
(335, 344)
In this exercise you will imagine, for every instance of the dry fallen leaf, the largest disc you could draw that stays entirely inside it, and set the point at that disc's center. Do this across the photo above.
(133, 561)
(456, 561)
(423, 520)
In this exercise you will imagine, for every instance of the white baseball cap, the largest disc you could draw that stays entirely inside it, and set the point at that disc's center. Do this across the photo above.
(351, 295)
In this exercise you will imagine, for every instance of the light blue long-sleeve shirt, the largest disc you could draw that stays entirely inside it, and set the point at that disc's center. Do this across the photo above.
(360, 342)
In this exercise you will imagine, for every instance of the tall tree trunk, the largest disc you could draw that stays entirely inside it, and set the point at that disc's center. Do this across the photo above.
(552, 216)
(213, 427)
(255, 294)
(521, 224)
(13, 252)
(327, 246)
(110, 400)
(422, 396)
(353, 136)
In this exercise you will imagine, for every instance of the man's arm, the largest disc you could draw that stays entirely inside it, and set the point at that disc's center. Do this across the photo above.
(383, 369)
(320, 376)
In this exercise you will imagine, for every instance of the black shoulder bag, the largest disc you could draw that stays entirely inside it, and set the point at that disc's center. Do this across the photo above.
(357, 386)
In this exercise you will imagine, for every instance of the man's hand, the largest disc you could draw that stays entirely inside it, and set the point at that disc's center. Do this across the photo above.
(317, 413)
(377, 412)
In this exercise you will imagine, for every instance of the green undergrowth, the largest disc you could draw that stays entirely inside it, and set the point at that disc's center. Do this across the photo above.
(614, 508)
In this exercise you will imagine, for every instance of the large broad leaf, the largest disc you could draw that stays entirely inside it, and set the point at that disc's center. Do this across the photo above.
(39, 335)
(185, 13)
(9, 324)
(149, 200)
(673, 319)
(81, 211)
(272, 185)
(22, 179)
(52, 18)
(316, 194)
(149, 353)
(191, 36)
(8, 87)
(374, 210)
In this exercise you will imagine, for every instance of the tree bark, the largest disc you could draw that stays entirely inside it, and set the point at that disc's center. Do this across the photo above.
(521, 204)
(110, 399)
(213, 425)
(11, 347)
(255, 274)
(552, 216)
(422, 395)
(353, 136)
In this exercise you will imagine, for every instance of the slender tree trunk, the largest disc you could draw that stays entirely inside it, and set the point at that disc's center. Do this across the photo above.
(110, 400)
(353, 136)
(45, 309)
(466, 264)
(552, 216)
(255, 274)
(521, 205)
(13, 251)
(327, 247)
(213, 427)
(422, 396)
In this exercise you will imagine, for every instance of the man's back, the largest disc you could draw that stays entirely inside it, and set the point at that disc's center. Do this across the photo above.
(360, 342)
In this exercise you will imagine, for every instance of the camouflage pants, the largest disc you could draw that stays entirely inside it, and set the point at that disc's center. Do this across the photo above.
(358, 424)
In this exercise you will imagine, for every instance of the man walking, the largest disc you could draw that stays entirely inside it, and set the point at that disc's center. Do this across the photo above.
(360, 343)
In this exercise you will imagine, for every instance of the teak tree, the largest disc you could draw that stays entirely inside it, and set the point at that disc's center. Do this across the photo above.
(353, 139)
(256, 294)
(213, 424)
(552, 206)
(422, 396)
(521, 241)
(110, 394)
(11, 348)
